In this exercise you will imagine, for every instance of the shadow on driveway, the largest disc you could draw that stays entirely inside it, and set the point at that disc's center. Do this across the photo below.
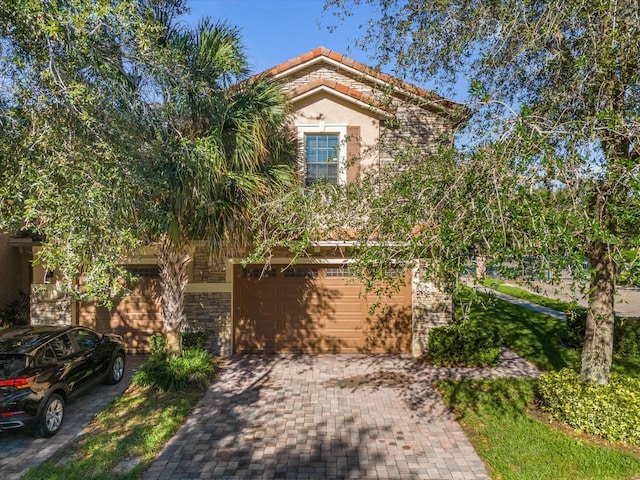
(319, 416)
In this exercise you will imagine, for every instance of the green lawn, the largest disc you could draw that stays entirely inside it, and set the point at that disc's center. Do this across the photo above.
(500, 419)
(513, 444)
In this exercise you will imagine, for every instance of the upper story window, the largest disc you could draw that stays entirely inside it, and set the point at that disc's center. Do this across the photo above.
(322, 153)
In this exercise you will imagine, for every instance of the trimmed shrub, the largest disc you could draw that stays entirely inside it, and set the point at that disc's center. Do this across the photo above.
(576, 327)
(626, 333)
(626, 337)
(168, 373)
(16, 312)
(609, 411)
(465, 343)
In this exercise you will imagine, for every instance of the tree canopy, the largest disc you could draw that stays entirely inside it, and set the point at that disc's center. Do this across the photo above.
(123, 128)
(71, 106)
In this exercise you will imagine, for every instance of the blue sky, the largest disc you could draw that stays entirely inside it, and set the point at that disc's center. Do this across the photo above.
(275, 31)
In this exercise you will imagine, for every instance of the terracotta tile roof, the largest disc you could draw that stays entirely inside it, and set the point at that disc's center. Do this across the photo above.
(341, 88)
(364, 69)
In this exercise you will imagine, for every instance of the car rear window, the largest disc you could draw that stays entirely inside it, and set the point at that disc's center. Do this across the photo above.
(11, 365)
(20, 342)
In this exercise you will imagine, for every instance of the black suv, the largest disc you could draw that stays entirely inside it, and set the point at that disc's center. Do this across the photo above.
(44, 366)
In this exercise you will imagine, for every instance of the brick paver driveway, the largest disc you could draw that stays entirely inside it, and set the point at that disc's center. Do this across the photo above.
(324, 416)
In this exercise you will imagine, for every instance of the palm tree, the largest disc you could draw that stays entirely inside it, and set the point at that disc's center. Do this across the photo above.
(223, 147)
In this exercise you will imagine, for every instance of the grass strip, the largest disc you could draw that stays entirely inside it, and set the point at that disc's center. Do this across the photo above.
(524, 294)
(123, 440)
(536, 336)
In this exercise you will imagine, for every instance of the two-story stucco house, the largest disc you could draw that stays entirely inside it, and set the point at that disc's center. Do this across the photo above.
(341, 108)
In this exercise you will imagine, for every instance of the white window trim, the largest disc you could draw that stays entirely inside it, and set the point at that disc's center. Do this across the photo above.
(328, 128)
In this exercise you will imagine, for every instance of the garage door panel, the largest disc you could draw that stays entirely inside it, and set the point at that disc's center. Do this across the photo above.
(253, 338)
(381, 331)
(135, 317)
(308, 311)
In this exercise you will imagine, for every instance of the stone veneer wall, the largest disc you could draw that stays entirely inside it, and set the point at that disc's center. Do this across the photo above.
(432, 307)
(49, 305)
(203, 270)
(210, 312)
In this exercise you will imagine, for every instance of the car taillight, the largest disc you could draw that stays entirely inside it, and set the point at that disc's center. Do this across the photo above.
(20, 382)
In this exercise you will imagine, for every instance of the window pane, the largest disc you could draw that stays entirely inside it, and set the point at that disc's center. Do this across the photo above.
(321, 156)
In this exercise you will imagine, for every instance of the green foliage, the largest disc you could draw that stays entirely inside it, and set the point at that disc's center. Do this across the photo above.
(626, 337)
(626, 333)
(194, 340)
(73, 144)
(576, 327)
(465, 343)
(610, 411)
(157, 344)
(169, 373)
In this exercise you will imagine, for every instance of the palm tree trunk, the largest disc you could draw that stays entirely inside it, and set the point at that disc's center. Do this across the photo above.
(173, 262)
(597, 353)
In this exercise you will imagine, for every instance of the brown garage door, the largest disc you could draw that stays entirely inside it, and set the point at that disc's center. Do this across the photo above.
(136, 317)
(312, 308)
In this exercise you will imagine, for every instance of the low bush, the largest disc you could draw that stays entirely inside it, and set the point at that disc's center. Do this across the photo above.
(609, 411)
(157, 343)
(576, 327)
(16, 312)
(465, 343)
(626, 333)
(169, 373)
(626, 337)
(196, 340)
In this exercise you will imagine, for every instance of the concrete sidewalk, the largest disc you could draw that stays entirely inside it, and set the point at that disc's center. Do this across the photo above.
(627, 300)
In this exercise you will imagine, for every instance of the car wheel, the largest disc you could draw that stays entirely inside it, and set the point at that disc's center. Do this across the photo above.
(116, 369)
(51, 417)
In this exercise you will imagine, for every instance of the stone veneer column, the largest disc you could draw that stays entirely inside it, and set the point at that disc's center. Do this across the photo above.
(432, 307)
(207, 303)
(210, 312)
(49, 305)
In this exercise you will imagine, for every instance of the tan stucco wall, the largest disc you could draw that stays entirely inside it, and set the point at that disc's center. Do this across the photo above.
(332, 110)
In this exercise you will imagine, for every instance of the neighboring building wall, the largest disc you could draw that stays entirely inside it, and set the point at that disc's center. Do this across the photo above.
(14, 271)
(432, 307)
